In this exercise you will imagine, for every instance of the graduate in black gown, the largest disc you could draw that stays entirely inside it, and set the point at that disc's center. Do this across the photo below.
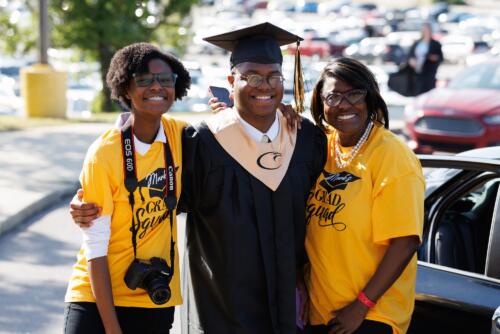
(246, 179)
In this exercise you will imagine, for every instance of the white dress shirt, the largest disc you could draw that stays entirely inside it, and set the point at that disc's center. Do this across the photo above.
(421, 51)
(256, 134)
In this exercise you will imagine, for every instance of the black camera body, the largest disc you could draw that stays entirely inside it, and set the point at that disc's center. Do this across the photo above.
(152, 275)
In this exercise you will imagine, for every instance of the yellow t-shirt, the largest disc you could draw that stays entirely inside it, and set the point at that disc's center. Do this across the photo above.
(102, 179)
(351, 215)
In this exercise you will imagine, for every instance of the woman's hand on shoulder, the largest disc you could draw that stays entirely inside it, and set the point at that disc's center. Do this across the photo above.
(292, 118)
(82, 213)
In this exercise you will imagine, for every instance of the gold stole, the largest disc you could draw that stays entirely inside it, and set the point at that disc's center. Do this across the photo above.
(267, 162)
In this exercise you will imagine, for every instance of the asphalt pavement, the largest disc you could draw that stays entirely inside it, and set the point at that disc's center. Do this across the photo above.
(36, 258)
(35, 262)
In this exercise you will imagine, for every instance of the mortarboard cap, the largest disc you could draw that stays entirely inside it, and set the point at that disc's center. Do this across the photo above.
(257, 44)
(261, 44)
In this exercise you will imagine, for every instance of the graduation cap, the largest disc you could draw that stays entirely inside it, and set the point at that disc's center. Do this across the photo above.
(261, 44)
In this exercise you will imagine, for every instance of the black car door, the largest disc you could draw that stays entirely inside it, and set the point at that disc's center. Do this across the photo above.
(455, 291)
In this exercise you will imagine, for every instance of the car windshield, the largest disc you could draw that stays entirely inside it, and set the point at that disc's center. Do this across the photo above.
(480, 76)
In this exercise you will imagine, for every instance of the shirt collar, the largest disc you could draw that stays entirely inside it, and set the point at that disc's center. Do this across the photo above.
(143, 148)
(256, 134)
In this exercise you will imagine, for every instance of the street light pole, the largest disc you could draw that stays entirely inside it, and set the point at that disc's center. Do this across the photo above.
(42, 87)
(44, 32)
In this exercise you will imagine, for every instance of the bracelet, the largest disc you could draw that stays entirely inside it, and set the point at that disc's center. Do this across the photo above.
(365, 300)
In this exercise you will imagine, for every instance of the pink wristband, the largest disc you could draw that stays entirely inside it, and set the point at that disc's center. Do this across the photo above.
(365, 300)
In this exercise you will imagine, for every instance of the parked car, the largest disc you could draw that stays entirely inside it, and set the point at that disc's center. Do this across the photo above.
(404, 39)
(394, 53)
(340, 40)
(10, 103)
(478, 58)
(307, 7)
(456, 47)
(191, 104)
(376, 49)
(458, 276)
(79, 97)
(368, 49)
(435, 10)
(312, 46)
(12, 68)
(461, 116)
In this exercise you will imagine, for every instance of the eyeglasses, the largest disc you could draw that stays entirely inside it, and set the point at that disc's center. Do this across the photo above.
(255, 80)
(333, 99)
(147, 79)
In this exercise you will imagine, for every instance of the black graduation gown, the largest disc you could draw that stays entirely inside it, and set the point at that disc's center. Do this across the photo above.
(244, 241)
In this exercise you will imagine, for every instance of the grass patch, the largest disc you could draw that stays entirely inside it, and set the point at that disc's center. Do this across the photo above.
(12, 123)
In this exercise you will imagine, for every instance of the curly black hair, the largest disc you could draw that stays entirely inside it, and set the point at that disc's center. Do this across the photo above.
(134, 58)
(356, 75)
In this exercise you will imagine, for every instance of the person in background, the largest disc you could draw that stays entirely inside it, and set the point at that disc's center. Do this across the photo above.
(365, 213)
(424, 57)
(126, 278)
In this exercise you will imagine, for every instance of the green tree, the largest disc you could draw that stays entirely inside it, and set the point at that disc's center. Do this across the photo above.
(100, 27)
(18, 34)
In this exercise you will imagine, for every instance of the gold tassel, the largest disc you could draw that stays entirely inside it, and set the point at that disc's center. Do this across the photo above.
(298, 82)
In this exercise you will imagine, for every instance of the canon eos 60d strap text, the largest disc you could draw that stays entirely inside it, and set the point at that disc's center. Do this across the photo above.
(169, 195)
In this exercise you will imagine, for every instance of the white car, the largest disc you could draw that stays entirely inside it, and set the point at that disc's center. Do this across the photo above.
(80, 98)
(10, 103)
(456, 48)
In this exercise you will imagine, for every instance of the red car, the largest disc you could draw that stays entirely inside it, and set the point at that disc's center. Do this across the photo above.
(312, 46)
(461, 116)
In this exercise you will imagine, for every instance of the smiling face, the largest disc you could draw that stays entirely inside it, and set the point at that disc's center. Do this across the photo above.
(152, 100)
(260, 102)
(348, 119)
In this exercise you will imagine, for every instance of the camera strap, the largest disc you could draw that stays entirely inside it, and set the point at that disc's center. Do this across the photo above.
(169, 195)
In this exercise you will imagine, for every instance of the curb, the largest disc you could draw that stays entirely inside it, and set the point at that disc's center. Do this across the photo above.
(36, 207)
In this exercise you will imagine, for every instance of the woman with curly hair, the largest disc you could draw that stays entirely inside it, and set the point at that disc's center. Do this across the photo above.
(126, 278)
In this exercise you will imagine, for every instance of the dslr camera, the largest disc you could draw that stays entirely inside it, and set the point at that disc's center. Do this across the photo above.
(152, 275)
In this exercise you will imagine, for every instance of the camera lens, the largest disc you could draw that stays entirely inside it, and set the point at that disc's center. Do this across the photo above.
(158, 289)
(160, 296)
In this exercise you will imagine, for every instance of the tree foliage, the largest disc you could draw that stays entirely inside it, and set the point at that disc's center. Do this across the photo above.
(18, 37)
(101, 27)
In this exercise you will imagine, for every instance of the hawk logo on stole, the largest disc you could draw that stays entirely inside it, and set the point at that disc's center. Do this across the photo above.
(334, 181)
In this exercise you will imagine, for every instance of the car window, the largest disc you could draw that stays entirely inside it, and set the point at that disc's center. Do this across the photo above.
(495, 78)
(435, 177)
(462, 227)
(479, 76)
